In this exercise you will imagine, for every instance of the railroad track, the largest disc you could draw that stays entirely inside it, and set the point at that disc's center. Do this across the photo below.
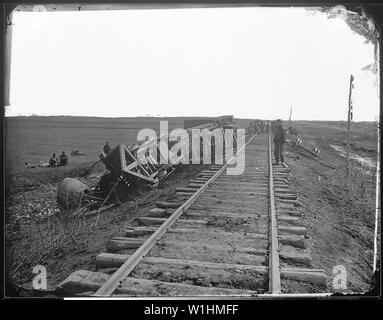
(223, 235)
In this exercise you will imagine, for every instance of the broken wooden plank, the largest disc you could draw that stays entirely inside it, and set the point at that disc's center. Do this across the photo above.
(196, 181)
(216, 167)
(315, 276)
(224, 208)
(295, 257)
(293, 230)
(157, 210)
(209, 171)
(142, 231)
(295, 241)
(285, 190)
(109, 260)
(157, 213)
(191, 190)
(247, 192)
(195, 185)
(164, 204)
(294, 213)
(293, 202)
(286, 196)
(184, 194)
(207, 214)
(251, 200)
(83, 281)
(122, 243)
(289, 219)
(150, 221)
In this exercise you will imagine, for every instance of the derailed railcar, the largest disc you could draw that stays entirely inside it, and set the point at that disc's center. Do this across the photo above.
(145, 164)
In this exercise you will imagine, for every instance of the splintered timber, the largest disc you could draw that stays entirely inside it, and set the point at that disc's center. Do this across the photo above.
(198, 309)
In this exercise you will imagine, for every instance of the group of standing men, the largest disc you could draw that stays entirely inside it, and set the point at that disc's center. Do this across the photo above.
(279, 135)
(258, 126)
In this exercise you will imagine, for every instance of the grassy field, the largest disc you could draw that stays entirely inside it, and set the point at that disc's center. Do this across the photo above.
(33, 139)
(363, 137)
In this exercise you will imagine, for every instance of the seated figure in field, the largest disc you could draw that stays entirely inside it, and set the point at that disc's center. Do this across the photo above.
(63, 159)
(53, 161)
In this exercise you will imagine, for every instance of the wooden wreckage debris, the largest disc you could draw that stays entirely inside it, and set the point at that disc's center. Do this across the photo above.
(312, 154)
(127, 167)
(145, 162)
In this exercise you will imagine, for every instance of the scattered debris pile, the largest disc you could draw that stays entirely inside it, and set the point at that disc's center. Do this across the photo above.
(77, 153)
(296, 144)
(72, 193)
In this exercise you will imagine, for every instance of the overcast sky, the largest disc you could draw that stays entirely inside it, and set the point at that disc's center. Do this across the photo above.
(249, 62)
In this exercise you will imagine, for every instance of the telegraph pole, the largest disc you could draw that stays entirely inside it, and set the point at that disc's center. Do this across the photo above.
(349, 118)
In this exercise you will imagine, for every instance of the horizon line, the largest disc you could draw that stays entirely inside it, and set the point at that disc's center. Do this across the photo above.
(152, 116)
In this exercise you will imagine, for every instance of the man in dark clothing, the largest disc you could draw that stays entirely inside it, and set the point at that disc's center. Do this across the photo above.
(63, 159)
(256, 129)
(53, 161)
(107, 148)
(279, 141)
(273, 126)
(262, 126)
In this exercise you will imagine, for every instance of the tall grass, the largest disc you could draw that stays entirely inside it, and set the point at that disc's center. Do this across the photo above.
(52, 239)
(354, 198)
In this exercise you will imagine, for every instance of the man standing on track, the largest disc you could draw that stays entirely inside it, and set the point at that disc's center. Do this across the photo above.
(279, 140)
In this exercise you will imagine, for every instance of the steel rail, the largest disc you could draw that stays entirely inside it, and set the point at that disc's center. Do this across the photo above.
(123, 272)
(274, 269)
